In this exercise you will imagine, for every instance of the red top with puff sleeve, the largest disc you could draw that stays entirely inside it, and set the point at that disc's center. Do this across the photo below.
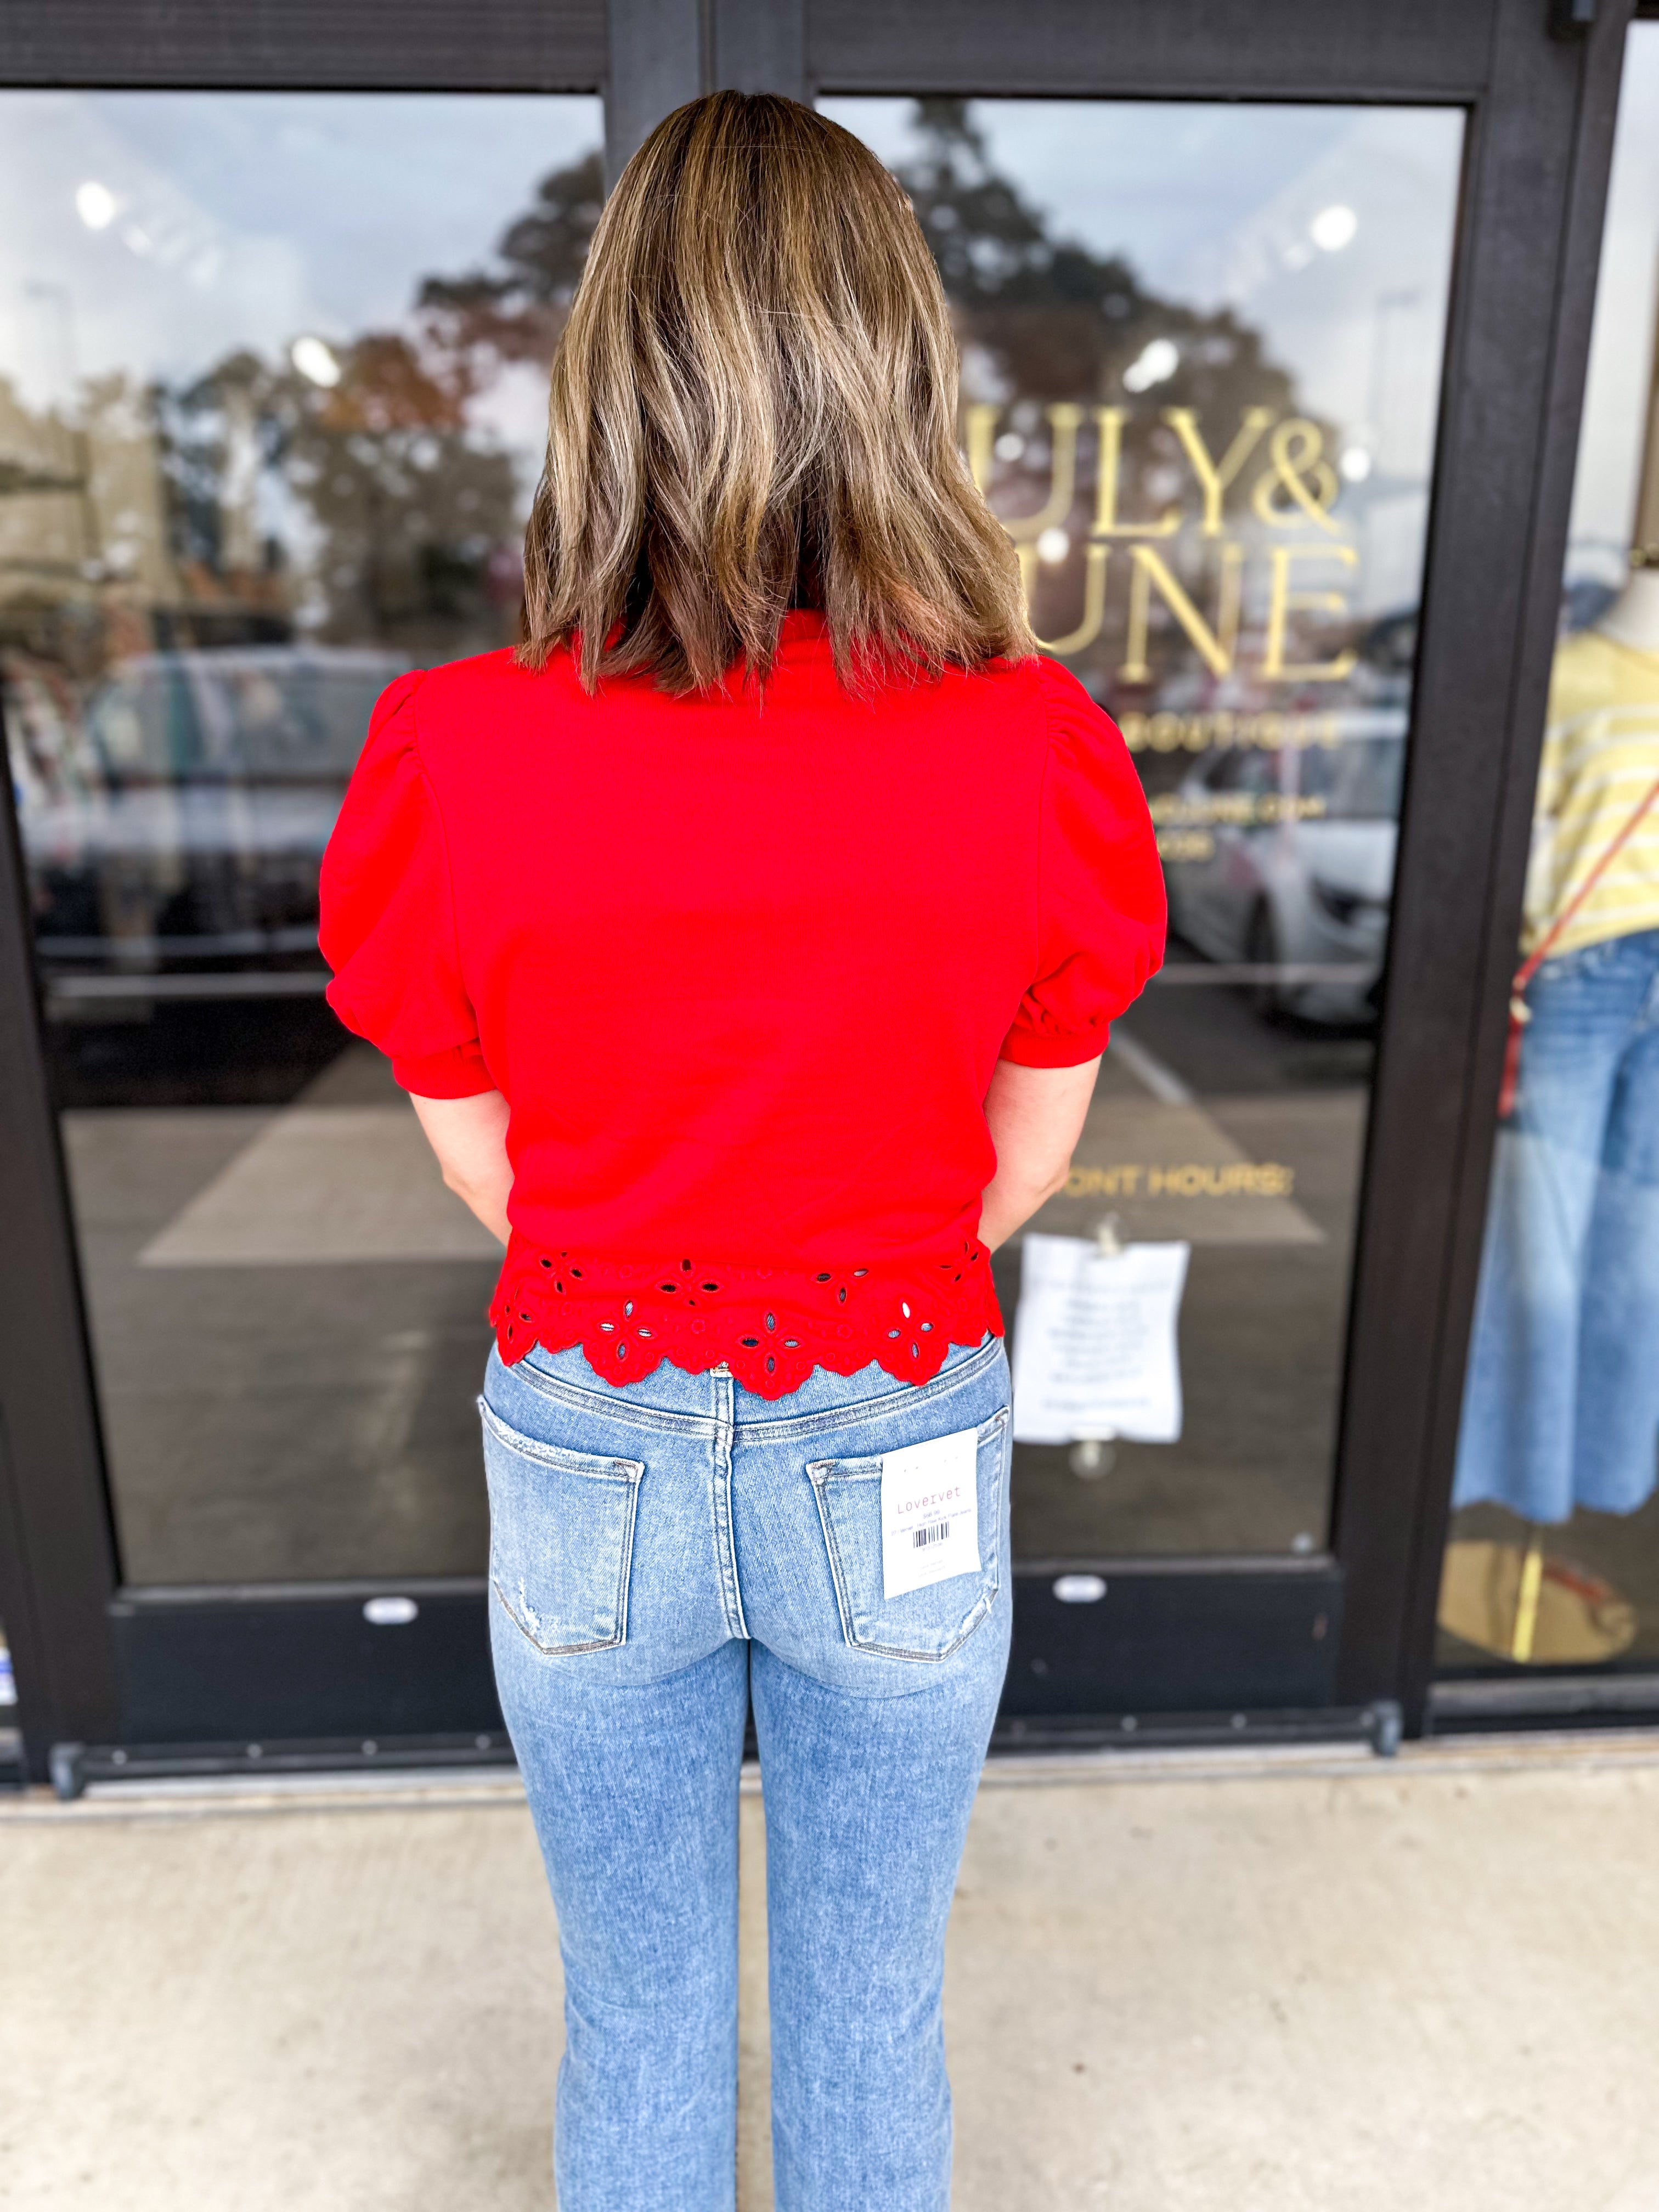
(742, 965)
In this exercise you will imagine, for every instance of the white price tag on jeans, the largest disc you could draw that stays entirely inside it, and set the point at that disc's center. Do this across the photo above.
(929, 1512)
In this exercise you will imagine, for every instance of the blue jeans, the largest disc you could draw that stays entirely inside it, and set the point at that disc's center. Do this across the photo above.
(660, 1555)
(1561, 1408)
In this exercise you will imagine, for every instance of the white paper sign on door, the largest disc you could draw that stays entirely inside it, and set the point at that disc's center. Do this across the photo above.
(929, 1512)
(1095, 1345)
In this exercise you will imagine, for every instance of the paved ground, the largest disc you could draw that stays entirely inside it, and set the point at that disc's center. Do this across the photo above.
(1175, 1985)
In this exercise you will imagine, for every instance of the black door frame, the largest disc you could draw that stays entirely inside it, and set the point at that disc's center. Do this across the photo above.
(298, 1667)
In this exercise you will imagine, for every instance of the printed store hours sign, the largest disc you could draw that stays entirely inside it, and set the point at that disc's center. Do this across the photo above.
(1095, 1341)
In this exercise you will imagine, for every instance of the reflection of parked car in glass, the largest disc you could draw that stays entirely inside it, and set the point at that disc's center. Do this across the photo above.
(178, 813)
(1286, 860)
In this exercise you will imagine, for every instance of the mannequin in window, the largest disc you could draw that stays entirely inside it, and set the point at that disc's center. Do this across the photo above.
(1632, 620)
(1561, 1408)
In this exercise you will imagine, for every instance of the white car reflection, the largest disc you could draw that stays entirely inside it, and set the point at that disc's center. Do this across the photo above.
(1283, 861)
(180, 811)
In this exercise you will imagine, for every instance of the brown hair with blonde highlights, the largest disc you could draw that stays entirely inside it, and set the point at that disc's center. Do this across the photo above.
(753, 407)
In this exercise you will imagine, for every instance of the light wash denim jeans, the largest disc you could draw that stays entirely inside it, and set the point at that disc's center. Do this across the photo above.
(1561, 1408)
(660, 1554)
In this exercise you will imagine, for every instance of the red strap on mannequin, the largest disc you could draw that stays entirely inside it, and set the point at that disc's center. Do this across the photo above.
(1519, 1012)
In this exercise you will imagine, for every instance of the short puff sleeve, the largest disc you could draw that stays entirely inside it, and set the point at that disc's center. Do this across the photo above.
(1100, 888)
(388, 915)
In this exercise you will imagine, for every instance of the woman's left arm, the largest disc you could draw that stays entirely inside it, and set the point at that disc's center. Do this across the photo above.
(469, 1135)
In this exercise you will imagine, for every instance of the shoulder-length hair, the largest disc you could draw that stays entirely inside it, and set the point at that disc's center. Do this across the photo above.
(753, 408)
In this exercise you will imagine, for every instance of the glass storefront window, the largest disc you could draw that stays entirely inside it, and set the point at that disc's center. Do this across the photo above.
(272, 391)
(256, 459)
(1553, 1560)
(1202, 356)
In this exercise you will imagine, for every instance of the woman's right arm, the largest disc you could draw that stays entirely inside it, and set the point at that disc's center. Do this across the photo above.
(1035, 1115)
(1099, 938)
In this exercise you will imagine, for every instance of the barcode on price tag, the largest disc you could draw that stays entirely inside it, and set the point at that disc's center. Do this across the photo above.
(929, 1512)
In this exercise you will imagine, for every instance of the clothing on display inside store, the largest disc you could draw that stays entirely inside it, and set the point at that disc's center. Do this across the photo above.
(1562, 1404)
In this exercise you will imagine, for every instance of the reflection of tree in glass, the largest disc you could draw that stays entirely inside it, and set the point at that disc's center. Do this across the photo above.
(409, 520)
(406, 511)
(377, 508)
(1044, 320)
(1056, 320)
(517, 312)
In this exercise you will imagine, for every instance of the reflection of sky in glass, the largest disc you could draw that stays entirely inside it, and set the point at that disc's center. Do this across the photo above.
(1623, 343)
(1238, 205)
(241, 219)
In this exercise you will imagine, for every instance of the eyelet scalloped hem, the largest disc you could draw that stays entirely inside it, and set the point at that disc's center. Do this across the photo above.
(771, 1327)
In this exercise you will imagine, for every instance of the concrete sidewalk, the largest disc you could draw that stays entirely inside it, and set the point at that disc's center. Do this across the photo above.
(1176, 1984)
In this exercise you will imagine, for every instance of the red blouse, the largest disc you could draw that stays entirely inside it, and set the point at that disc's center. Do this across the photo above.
(742, 965)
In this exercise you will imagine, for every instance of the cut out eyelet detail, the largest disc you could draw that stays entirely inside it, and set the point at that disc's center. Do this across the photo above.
(773, 1327)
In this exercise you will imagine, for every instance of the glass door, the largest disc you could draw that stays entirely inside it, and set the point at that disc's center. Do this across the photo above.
(271, 406)
(1202, 349)
(1268, 328)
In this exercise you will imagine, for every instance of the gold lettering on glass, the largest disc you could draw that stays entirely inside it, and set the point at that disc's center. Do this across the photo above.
(1217, 730)
(1300, 469)
(1215, 476)
(1214, 646)
(1299, 486)
(1064, 419)
(1110, 425)
(1183, 1179)
(1283, 602)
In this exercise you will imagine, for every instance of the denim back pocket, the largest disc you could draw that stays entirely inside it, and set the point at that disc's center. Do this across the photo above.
(921, 1624)
(560, 1538)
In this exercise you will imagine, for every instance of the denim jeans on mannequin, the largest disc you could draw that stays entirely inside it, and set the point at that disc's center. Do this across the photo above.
(659, 1554)
(1561, 1408)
